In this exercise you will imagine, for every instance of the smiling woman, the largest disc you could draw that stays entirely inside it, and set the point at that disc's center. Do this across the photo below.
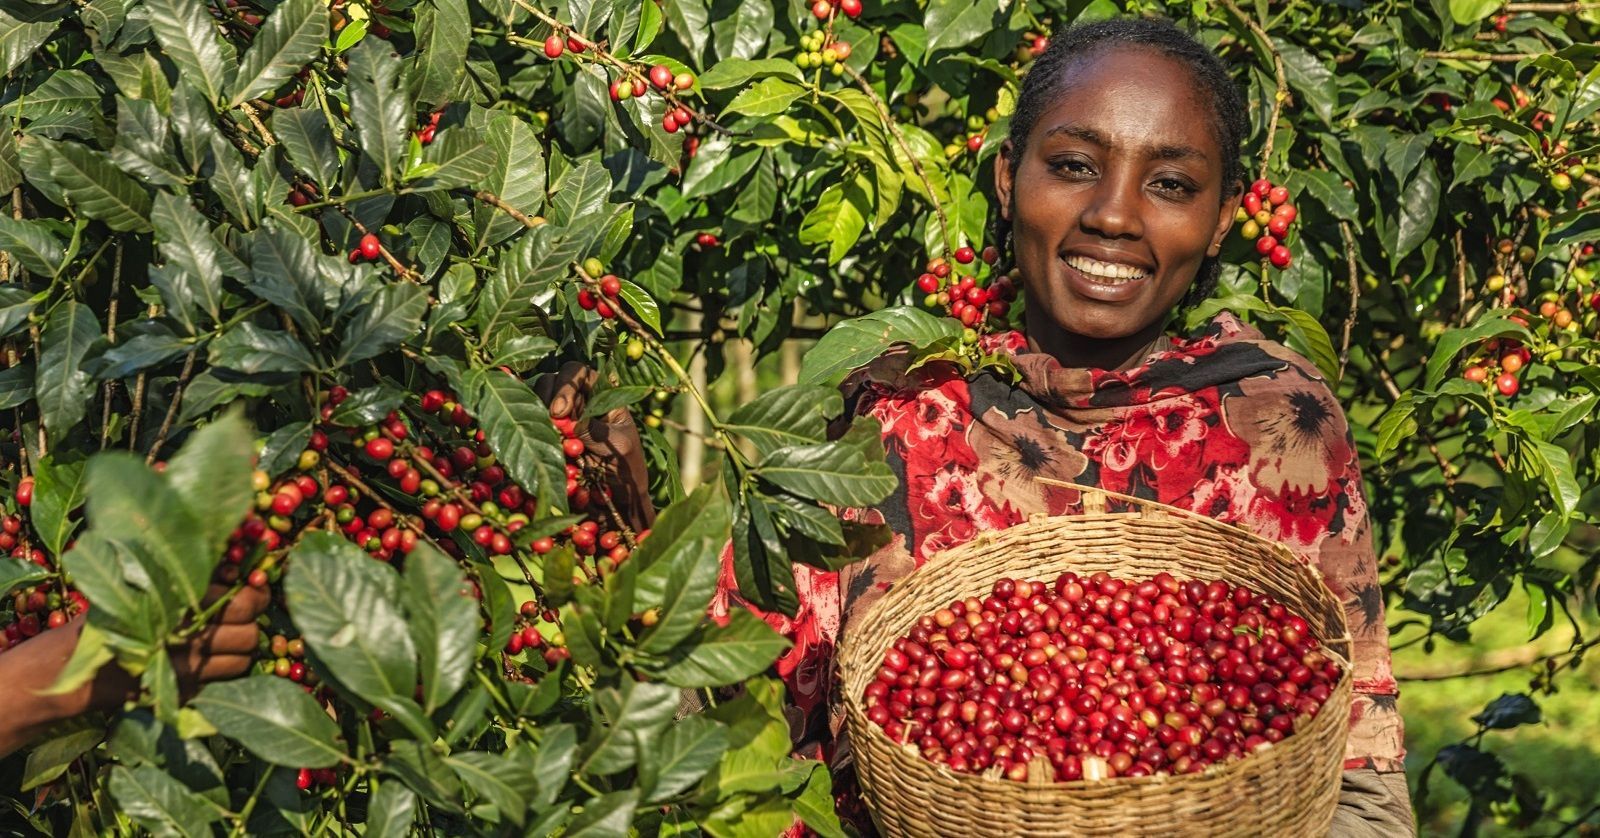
(1119, 181)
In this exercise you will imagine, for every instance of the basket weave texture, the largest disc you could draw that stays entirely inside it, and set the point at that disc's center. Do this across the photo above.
(1290, 789)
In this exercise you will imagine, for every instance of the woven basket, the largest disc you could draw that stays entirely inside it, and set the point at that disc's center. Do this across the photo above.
(1290, 789)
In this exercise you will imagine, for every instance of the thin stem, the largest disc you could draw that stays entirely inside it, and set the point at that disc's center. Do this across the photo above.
(905, 148)
(1496, 670)
(1465, 55)
(1355, 294)
(111, 336)
(250, 805)
(172, 408)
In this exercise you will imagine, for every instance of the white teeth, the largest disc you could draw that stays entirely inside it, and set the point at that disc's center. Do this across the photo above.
(1111, 272)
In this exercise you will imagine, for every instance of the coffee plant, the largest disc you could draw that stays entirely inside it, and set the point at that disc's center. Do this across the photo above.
(278, 276)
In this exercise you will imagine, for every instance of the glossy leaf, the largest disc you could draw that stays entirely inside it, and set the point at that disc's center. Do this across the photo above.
(275, 719)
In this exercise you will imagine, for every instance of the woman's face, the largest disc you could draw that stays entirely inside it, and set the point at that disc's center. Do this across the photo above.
(1118, 197)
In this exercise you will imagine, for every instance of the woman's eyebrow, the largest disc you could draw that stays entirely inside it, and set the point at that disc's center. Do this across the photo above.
(1163, 151)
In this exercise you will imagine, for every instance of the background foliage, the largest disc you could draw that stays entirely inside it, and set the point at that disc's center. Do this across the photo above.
(187, 180)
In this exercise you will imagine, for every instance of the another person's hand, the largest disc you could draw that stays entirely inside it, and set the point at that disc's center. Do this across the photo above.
(612, 441)
(222, 650)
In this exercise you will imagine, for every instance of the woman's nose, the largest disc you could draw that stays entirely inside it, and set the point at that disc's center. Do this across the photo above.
(1113, 210)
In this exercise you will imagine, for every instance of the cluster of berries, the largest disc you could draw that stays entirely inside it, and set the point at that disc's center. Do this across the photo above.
(825, 10)
(1265, 216)
(1102, 677)
(817, 52)
(960, 294)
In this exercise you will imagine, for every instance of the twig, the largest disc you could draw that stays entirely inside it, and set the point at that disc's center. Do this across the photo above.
(1281, 96)
(1355, 294)
(1463, 55)
(111, 336)
(1579, 821)
(1521, 660)
(1445, 466)
(1554, 8)
(498, 203)
(172, 408)
(905, 148)
(137, 412)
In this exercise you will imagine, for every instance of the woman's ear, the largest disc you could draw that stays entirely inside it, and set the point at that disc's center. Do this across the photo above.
(1002, 179)
(1225, 218)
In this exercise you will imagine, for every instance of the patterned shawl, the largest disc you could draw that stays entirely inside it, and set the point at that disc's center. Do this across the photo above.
(1225, 423)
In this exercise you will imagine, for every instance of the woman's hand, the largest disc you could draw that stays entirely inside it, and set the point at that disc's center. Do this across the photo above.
(610, 441)
(224, 649)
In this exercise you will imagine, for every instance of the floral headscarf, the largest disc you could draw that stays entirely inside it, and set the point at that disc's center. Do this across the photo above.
(1227, 424)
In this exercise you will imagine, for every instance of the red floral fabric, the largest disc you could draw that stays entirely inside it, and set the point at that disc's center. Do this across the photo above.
(1225, 423)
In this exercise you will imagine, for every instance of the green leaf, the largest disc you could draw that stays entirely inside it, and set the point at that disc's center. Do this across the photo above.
(733, 72)
(289, 39)
(378, 105)
(274, 719)
(14, 573)
(854, 342)
(32, 244)
(58, 490)
(691, 22)
(743, 33)
(1419, 206)
(503, 780)
(16, 386)
(643, 305)
(249, 349)
(305, 134)
(690, 748)
(444, 31)
(461, 159)
(1443, 356)
(793, 415)
(157, 802)
(604, 401)
(16, 306)
(838, 218)
(1555, 465)
(347, 608)
(282, 449)
(63, 388)
(444, 623)
(1472, 11)
(517, 178)
(611, 813)
(718, 655)
(687, 563)
(956, 23)
(848, 472)
(1508, 711)
(137, 353)
(96, 187)
(284, 272)
(188, 247)
(579, 194)
(391, 811)
(143, 514)
(814, 804)
(51, 758)
(535, 262)
(628, 721)
(1327, 188)
(771, 95)
(393, 314)
(516, 425)
(88, 656)
(18, 39)
(1312, 79)
(211, 473)
(125, 611)
(189, 37)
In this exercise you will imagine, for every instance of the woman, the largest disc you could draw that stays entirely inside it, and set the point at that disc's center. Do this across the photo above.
(1119, 181)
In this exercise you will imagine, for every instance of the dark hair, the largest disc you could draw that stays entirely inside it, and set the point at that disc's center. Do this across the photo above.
(1042, 86)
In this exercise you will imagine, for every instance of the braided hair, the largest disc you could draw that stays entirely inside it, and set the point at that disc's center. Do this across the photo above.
(1045, 79)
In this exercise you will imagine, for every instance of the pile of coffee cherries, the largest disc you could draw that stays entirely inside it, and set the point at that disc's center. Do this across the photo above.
(1103, 677)
(1265, 216)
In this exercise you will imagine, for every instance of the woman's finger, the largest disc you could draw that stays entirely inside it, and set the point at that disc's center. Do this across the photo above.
(211, 668)
(246, 605)
(225, 639)
(573, 384)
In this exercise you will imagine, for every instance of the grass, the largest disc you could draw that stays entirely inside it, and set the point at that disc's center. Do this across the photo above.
(1560, 755)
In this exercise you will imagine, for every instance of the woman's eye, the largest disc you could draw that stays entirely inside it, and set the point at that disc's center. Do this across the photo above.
(1173, 186)
(1074, 167)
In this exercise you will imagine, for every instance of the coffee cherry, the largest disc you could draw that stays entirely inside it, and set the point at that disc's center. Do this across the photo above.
(1279, 257)
(851, 8)
(380, 448)
(25, 492)
(553, 46)
(683, 81)
(1278, 195)
(965, 255)
(610, 286)
(928, 283)
(661, 76)
(587, 300)
(1265, 244)
(575, 45)
(572, 447)
(639, 87)
(1475, 373)
(1507, 384)
(822, 9)
(369, 246)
